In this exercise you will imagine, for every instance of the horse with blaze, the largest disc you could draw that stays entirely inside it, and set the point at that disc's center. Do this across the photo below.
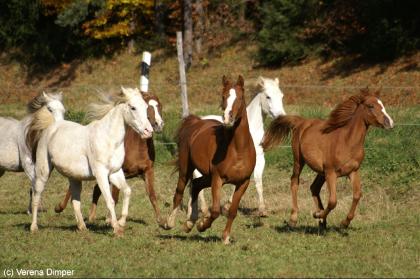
(222, 152)
(332, 148)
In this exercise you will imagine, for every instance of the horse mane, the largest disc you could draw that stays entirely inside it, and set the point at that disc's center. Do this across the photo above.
(41, 100)
(344, 112)
(107, 102)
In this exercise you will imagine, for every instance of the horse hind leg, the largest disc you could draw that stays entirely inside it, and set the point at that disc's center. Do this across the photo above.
(294, 185)
(331, 179)
(149, 180)
(75, 189)
(315, 190)
(203, 204)
(258, 174)
(197, 185)
(63, 204)
(95, 197)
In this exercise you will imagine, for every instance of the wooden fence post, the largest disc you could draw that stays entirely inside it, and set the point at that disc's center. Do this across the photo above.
(182, 77)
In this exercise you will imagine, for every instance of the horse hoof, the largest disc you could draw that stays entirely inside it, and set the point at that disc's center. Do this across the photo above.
(317, 214)
(187, 226)
(262, 212)
(165, 226)
(344, 224)
(121, 223)
(34, 228)
(225, 209)
(118, 231)
(292, 223)
(226, 240)
(322, 224)
(200, 226)
(58, 208)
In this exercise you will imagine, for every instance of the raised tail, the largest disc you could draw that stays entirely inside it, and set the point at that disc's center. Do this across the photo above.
(279, 130)
(41, 120)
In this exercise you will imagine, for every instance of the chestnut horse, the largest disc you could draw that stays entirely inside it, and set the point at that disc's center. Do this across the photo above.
(332, 148)
(222, 152)
(138, 161)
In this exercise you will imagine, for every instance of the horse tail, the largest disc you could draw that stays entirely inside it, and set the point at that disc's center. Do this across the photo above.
(279, 130)
(40, 120)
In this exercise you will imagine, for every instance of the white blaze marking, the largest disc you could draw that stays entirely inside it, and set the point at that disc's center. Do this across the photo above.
(231, 99)
(158, 118)
(391, 122)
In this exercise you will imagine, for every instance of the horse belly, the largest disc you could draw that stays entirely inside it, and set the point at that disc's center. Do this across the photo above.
(79, 169)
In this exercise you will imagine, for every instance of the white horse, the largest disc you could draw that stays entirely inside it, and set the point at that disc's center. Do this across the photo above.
(95, 151)
(15, 154)
(267, 102)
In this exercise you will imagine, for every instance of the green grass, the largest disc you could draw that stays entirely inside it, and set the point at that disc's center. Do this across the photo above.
(382, 241)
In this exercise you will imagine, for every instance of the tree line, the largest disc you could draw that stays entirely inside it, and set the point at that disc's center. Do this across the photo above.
(285, 31)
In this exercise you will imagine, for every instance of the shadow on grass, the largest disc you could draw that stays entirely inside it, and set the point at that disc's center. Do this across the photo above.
(16, 212)
(312, 230)
(192, 238)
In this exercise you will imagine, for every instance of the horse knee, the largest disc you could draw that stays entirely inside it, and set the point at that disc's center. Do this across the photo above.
(215, 213)
(332, 203)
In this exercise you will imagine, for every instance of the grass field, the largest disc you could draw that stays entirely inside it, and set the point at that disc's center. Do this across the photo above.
(382, 241)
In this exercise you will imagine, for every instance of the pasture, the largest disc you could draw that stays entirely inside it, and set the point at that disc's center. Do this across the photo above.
(382, 241)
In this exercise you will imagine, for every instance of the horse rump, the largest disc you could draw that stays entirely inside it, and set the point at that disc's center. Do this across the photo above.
(279, 130)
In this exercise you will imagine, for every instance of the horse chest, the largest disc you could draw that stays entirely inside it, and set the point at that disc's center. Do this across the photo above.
(239, 167)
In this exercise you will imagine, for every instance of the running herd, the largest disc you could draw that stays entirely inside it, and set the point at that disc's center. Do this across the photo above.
(212, 151)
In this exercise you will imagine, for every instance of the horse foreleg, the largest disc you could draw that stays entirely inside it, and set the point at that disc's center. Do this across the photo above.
(118, 179)
(357, 194)
(331, 179)
(63, 204)
(233, 210)
(197, 185)
(103, 183)
(205, 222)
(76, 188)
(43, 170)
(315, 190)
(149, 179)
(294, 185)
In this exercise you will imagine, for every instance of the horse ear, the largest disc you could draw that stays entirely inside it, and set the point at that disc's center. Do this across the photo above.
(377, 93)
(45, 95)
(277, 81)
(240, 81)
(260, 81)
(225, 81)
(60, 95)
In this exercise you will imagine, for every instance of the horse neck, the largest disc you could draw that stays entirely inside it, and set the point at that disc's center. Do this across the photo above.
(112, 126)
(255, 115)
(356, 130)
(241, 134)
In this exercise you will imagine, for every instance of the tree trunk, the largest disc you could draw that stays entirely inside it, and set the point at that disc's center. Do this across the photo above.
(188, 33)
(199, 28)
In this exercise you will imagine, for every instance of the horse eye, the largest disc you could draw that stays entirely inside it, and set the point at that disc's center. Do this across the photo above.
(370, 106)
(133, 108)
(49, 108)
(268, 97)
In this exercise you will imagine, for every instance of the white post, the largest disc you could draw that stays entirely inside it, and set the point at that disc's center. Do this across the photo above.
(145, 66)
(182, 77)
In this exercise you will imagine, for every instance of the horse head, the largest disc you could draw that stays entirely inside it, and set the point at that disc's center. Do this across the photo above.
(233, 102)
(154, 111)
(135, 112)
(271, 97)
(375, 113)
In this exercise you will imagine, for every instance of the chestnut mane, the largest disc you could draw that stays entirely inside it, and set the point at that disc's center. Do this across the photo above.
(344, 112)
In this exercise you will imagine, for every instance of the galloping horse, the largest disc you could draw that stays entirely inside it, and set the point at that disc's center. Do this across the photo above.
(95, 151)
(332, 148)
(223, 153)
(138, 161)
(16, 153)
(269, 101)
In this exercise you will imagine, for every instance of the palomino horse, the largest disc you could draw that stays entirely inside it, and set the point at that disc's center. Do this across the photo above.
(138, 161)
(332, 148)
(95, 151)
(15, 151)
(223, 153)
(269, 101)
